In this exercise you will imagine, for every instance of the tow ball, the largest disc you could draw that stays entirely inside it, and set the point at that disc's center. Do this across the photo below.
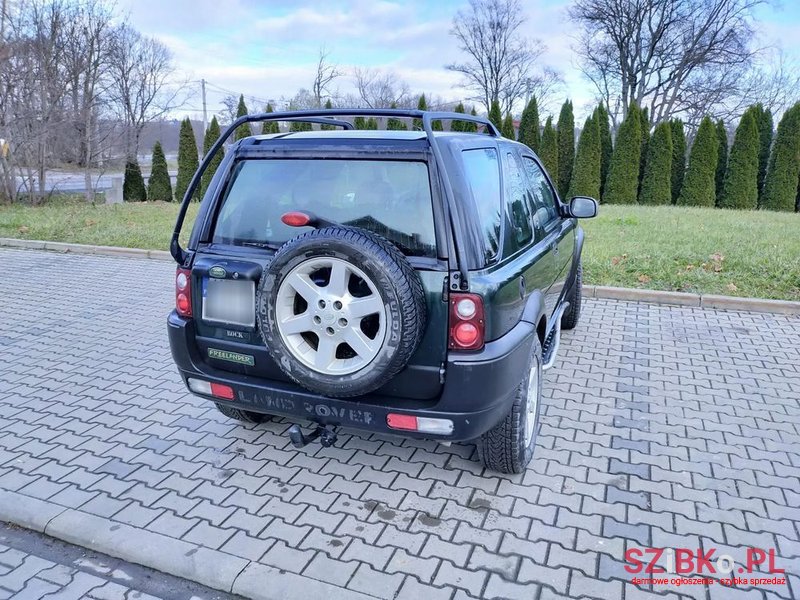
(327, 437)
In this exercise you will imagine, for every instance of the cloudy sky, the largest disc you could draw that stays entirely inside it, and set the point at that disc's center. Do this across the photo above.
(267, 49)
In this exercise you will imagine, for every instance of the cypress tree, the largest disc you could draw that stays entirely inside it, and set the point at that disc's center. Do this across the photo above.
(270, 126)
(783, 171)
(623, 172)
(722, 159)
(456, 125)
(508, 128)
(301, 126)
(586, 173)
(606, 146)
(529, 125)
(657, 179)
(764, 122)
(360, 123)
(740, 187)
(645, 126)
(394, 123)
(471, 126)
(187, 160)
(133, 189)
(372, 123)
(212, 135)
(159, 187)
(328, 106)
(678, 157)
(548, 151)
(243, 130)
(495, 116)
(422, 104)
(566, 147)
(698, 184)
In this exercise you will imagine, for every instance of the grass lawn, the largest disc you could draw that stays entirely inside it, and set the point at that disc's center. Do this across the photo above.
(705, 250)
(132, 225)
(735, 253)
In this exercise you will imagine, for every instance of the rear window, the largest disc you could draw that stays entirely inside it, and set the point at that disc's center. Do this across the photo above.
(390, 198)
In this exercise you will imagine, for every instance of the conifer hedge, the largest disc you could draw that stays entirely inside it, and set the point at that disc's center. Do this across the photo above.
(722, 160)
(698, 184)
(656, 185)
(623, 173)
(548, 151)
(566, 147)
(212, 135)
(133, 189)
(783, 171)
(740, 187)
(529, 125)
(678, 137)
(187, 160)
(159, 186)
(586, 171)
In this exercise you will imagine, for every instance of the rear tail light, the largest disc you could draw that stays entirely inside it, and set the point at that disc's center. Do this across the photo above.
(218, 390)
(467, 325)
(222, 391)
(183, 292)
(421, 424)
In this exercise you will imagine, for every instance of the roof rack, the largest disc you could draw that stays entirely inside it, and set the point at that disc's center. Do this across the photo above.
(326, 117)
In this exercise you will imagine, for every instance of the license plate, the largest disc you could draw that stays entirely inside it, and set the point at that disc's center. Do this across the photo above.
(229, 301)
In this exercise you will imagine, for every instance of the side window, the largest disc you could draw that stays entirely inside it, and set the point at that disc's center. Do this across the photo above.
(518, 208)
(483, 174)
(544, 198)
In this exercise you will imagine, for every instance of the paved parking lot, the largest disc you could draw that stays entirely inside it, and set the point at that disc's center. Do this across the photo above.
(663, 426)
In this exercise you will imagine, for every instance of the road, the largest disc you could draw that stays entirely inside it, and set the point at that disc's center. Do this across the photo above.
(670, 427)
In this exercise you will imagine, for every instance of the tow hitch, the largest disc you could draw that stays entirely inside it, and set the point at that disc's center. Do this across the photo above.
(327, 437)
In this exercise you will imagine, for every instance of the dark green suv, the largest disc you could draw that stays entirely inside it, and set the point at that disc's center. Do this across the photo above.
(405, 282)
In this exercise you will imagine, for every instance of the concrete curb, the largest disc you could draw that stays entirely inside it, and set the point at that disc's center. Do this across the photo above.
(212, 568)
(84, 249)
(784, 307)
(712, 301)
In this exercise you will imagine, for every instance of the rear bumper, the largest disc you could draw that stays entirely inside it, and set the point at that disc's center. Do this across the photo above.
(478, 390)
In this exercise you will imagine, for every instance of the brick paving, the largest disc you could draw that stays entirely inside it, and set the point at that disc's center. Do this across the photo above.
(662, 426)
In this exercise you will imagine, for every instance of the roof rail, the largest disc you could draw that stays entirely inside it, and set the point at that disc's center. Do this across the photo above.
(325, 117)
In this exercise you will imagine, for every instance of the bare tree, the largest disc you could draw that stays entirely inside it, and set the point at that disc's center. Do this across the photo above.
(547, 86)
(230, 104)
(85, 59)
(674, 56)
(325, 75)
(33, 93)
(141, 90)
(379, 89)
(500, 60)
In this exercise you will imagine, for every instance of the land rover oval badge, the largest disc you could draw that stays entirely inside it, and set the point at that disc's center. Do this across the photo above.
(217, 272)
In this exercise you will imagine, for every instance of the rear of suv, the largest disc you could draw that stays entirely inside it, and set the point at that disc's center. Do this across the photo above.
(406, 282)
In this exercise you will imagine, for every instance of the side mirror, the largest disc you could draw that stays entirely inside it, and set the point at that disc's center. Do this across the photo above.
(583, 207)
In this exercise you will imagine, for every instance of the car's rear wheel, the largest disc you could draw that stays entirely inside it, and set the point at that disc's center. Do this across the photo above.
(238, 414)
(508, 446)
(569, 320)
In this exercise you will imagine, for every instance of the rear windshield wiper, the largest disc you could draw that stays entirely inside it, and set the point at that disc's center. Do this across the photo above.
(265, 245)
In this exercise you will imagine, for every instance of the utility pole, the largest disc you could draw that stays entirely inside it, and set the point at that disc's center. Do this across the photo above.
(205, 113)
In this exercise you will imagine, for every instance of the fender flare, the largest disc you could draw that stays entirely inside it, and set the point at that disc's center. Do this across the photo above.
(534, 312)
